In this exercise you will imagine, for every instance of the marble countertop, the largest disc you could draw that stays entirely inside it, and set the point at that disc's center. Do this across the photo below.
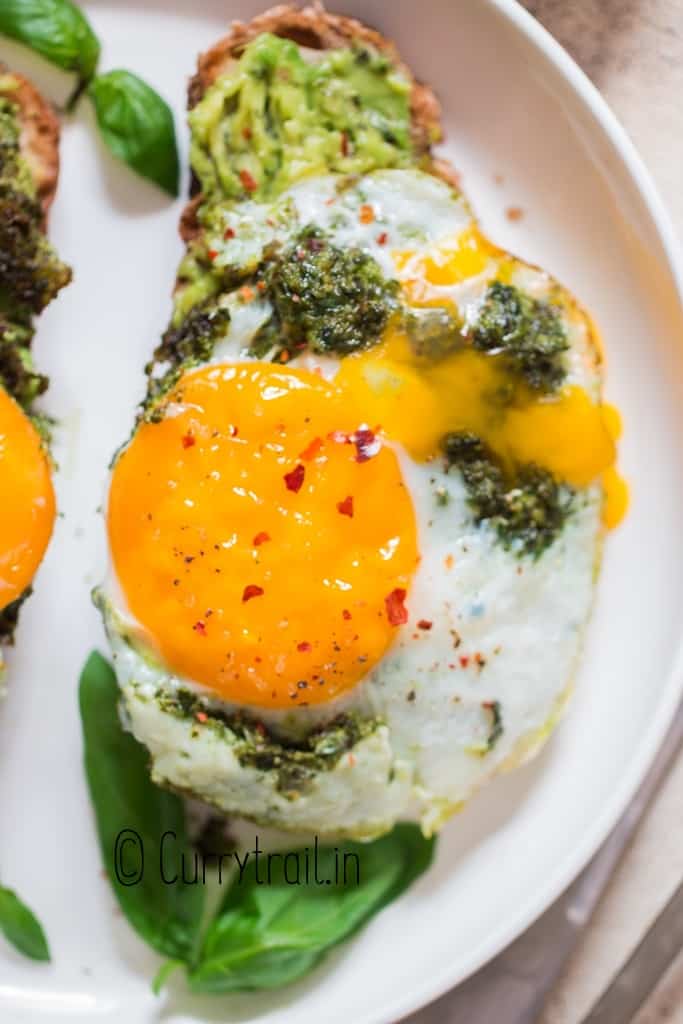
(633, 52)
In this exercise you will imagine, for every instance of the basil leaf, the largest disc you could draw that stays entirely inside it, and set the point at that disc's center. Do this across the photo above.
(267, 935)
(132, 817)
(21, 927)
(56, 29)
(137, 126)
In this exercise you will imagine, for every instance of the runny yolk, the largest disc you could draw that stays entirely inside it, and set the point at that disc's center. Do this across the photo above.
(263, 542)
(26, 498)
(418, 402)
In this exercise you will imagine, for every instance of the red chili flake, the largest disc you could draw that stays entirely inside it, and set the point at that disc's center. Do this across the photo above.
(311, 450)
(260, 538)
(344, 144)
(284, 356)
(248, 180)
(424, 624)
(261, 285)
(345, 507)
(397, 613)
(382, 238)
(200, 627)
(351, 760)
(464, 660)
(346, 614)
(233, 430)
(295, 478)
(251, 590)
(366, 214)
(188, 440)
(367, 444)
(212, 254)
(260, 727)
(247, 293)
(303, 646)
(246, 132)
(228, 233)
(480, 659)
(202, 716)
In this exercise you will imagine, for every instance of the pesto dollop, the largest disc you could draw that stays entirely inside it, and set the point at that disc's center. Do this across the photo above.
(325, 298)
(525, 330)
(276, 117)
(527, 511)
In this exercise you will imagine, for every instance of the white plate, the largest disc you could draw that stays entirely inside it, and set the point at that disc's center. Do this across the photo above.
(514, 104)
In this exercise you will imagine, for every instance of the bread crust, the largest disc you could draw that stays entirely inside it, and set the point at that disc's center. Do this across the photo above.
(39, 135)
(315, 29)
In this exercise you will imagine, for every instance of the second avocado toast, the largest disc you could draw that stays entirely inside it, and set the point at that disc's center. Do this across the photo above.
(31, 274)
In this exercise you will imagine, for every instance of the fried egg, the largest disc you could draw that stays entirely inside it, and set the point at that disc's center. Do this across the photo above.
(311, 627)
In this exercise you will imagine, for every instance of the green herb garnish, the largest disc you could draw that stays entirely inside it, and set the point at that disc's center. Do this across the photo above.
(134, 121)
(137, 126)
(127, 803)
(57, 30)
(266, 936)
(21, 927)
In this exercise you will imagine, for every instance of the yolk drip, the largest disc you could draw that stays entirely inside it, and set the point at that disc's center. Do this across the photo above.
(418, 402)
(261, 539)
(26, 498)
(568, 434)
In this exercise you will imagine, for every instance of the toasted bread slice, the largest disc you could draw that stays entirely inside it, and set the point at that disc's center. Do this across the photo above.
(315, 30)
(39, 139)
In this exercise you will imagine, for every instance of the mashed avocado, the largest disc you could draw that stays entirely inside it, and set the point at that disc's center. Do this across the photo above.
(276, 118)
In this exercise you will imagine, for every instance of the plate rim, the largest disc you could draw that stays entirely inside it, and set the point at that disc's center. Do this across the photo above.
(527, 26)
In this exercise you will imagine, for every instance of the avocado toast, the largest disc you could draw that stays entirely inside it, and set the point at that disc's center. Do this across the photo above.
(31, 274)
(330, 255)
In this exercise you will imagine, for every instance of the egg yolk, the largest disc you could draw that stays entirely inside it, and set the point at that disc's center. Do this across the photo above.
(26, 498)
(418, 401)
(451, 261)
(263, 537)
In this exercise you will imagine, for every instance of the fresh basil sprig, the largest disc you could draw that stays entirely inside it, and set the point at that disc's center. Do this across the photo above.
(137, 126)
(135, 122)
(132, 816)
(56, 29)
(21, 927)
(265, 936)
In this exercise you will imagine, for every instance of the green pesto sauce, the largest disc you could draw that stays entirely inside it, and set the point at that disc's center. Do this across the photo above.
(325, 298)
(276, 118)
(526, 331)
(293, 765)
(181, 348)
(527, 511)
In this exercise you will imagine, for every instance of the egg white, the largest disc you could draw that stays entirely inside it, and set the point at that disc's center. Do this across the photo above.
(505, 631)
